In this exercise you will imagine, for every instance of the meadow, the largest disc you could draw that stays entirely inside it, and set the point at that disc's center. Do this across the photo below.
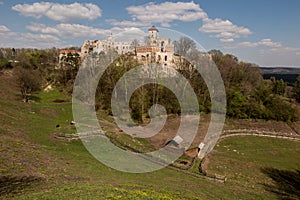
(35, 164)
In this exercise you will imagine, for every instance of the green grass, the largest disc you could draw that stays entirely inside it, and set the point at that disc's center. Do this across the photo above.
(72, 173)
(242, 159)
(74, 159)
(127, 142)
(88, 191)
(263, 152)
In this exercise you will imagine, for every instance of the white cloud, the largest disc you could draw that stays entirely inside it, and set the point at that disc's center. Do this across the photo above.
(227, 40)
(127, 23)
(1, 3)
(163, 13)
(128, 34)
(37, 41)
(45, 38)
(29, 40)
(5, 33)
(279, 56)
(226, 35)
(9, 38)
(167, 12)
(223, 29)
(281, 50)
(263, 42)
(69, 30)
(3, 28)
(59, 12)
(268, 43)
(81, 31)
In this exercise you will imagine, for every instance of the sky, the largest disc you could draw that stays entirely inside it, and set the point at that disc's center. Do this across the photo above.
(265, 32)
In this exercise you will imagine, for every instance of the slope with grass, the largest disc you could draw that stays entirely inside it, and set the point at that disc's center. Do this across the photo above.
(35, 165)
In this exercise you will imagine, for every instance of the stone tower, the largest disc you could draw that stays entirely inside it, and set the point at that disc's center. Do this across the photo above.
(153, 36)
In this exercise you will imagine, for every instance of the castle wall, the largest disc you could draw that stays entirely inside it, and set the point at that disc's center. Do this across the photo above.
(155, 50)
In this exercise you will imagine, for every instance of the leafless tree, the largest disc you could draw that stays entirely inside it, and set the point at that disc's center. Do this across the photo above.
(184, 46)
(134, 45)
(28, 81)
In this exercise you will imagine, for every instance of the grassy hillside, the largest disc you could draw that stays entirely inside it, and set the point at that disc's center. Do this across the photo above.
(35, 164)
(250, 163)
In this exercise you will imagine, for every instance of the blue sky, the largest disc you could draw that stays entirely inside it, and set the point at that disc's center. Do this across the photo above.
(265, 32)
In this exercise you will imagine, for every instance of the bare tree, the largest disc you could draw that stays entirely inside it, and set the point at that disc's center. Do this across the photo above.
(28, 81)
(184, 46)
(134, 45)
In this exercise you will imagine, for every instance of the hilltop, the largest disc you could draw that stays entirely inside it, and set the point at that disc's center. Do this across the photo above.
(288, 74)
(281, 70)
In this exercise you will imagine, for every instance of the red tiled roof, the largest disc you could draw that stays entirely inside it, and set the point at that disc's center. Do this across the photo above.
(153, 28)
(66, 51)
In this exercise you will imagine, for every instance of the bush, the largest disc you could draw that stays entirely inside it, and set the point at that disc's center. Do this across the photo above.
(236, 104)
(297, 89)
(280, 110)
(29, 81)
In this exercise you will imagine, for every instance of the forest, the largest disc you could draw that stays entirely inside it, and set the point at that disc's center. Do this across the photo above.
(249, 95)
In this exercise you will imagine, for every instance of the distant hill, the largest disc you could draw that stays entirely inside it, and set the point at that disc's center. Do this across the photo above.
(288, 74)
(280, 70)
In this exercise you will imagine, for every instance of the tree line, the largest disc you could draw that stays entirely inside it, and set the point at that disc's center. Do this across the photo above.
(248, 94)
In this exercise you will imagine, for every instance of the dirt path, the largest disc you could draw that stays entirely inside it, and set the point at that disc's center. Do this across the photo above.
(246, 132)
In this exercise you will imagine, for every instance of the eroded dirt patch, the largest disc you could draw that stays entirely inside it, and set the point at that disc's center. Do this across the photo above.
(10, 185)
